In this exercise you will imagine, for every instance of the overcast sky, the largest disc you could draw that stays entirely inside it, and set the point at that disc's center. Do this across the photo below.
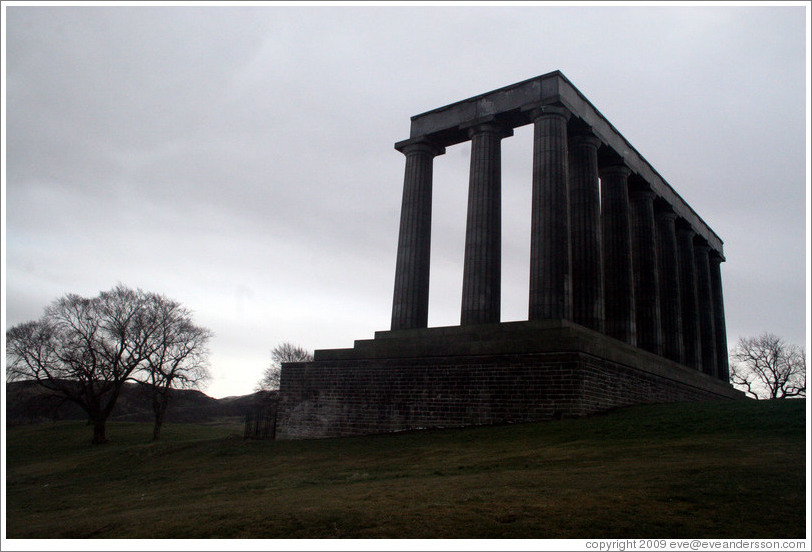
(240, 159)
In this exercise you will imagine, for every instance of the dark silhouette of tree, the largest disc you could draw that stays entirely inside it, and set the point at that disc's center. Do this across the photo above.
(767, 367)
(177, 356)
(285, 352)
(85, 349)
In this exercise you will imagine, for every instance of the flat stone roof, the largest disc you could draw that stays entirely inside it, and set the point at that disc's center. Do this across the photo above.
(510, 105)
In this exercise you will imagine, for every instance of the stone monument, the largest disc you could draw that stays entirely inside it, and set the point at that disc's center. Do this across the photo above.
(625, 298)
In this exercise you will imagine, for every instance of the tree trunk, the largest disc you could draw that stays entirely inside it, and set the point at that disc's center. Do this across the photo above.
(99, 436)
(159, 420)
(159, 403)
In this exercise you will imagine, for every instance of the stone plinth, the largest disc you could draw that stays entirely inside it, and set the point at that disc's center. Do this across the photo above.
(478, 374)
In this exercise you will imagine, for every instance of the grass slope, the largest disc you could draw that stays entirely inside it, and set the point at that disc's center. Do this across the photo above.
(714, 470)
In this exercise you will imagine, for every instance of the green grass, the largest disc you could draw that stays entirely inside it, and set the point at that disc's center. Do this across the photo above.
(712, 470)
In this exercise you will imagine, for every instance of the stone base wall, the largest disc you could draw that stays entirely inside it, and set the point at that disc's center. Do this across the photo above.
(339, 397)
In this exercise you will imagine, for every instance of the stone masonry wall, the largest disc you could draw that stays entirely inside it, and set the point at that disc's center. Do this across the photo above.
(338, 398)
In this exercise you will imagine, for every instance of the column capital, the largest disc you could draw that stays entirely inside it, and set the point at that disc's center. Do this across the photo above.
(487, 125)
(421, 143)
(615, 170)
(684, 227)
(586, 138)
(716, 257)
(642, 194)
(701, 245)
(665, 214)
(536, 111)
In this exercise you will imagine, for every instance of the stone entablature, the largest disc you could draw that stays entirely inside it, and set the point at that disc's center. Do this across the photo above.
(512, 106)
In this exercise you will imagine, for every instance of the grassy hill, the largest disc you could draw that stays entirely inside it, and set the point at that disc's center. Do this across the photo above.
(714, 470)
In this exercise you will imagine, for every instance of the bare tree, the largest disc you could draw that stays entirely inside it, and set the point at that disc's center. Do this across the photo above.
(83, 350)
(285, 352)
(177, 355)
(768, 367)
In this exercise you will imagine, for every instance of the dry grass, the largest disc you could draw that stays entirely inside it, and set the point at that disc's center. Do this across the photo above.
(682, 470)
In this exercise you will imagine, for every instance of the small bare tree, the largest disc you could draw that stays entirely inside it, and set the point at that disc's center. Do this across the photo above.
(177, 356)
(767, 367)
(286, 352)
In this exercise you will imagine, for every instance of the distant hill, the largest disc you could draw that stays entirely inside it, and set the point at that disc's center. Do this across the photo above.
(27, 403)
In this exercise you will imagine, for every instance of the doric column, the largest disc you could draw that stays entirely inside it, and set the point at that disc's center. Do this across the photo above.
(410, 307)
(585, 232)
(670, 305)
(707, 329)
(720, 330)
(482, 271)
(617, 254)
(692, 356)
(550, 270)
(646, 281)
